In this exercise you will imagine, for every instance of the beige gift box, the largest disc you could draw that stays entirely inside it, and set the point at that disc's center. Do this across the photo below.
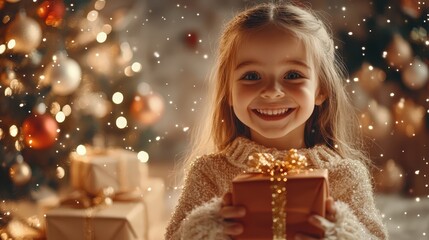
(101, 168)
(153, 190)
(118, 221)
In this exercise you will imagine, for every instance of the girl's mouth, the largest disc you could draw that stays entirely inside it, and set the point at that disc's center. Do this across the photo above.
(273, 114)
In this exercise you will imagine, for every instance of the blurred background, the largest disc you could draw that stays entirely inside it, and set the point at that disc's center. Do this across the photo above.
(131, 75)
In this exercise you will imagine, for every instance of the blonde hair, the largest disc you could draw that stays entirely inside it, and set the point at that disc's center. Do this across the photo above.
(331, 123)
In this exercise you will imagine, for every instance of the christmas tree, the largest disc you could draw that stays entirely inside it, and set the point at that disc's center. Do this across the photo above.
(69, 77)
(387, 54)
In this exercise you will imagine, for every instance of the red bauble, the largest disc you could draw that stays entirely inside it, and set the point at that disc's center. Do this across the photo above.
(40, 131)
(191, 39)
(52, 11)
(147, 109)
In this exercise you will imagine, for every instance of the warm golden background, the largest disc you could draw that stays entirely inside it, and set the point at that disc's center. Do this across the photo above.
(133, 77)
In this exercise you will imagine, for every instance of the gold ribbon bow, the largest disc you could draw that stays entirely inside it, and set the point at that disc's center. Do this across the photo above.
(277, 169)
(83, 200)
(267, 164)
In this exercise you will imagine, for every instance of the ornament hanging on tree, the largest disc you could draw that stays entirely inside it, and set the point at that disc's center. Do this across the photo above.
(370, 78)
(40, 131)
(191, 39)
(147, 109)
(376, 120)
(64, 75)
(415, 75)
(52, 11)
(25, 32)
(389, 178)
(409, 116)
(399, 52)
(412, 8)
(20, 172)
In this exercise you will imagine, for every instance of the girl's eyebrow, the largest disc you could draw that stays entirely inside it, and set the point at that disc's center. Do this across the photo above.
(286, 61)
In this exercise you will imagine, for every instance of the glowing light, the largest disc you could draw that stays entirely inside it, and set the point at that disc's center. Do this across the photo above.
(67, 110)
(60, 117)
(99, 4)
(81, 150)
(11, 44)
(107, 28)
(156, 54)
(60, 172)
(117, 98)
(121, 122)
(143, 156)
(136, 67)
(2, 48)
(92, 15)
(101, 37)
(13, 130)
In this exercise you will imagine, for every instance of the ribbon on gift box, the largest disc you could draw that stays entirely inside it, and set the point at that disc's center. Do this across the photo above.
(93, 203)
(277, 169)
(13, 226)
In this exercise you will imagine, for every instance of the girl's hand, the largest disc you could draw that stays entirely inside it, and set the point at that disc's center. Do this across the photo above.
(229, 212)
(325, 224)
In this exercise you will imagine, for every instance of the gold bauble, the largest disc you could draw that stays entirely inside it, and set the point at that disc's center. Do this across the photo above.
(409, 116)
(389, 178)
(370, 78)
(26, 33)
(376, 121)
(20, 172)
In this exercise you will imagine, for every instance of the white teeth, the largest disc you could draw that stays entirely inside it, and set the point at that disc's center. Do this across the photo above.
(272, 112)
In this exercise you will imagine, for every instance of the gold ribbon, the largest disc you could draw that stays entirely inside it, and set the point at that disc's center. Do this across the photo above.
(277, 170)
(82, 200)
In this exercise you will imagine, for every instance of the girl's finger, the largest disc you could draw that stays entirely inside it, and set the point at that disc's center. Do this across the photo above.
(227, 199)
(330, 209)
(330, 206)
(300, 236)
(232, 228)
(321, 223)
(232, 212)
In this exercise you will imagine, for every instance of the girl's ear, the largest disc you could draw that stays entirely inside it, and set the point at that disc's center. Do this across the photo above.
(320, 98)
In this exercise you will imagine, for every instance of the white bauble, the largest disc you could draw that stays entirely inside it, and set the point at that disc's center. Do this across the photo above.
(399, 52)
(415, 75)
(64, 75)
(26, 33)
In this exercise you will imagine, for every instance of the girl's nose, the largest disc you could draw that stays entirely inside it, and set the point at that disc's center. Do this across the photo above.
(273, 90)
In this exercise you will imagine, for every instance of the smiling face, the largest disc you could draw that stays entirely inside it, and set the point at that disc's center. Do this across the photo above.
(274, 88)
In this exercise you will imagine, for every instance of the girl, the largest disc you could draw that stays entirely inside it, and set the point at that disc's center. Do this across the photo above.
(277, 86)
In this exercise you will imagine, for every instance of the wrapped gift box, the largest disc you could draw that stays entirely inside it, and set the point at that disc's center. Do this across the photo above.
(306, 193)
(98, 169)
(117, 221)
(153, 190)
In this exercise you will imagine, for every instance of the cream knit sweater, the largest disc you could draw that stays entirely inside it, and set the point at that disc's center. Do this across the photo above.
(196, 215)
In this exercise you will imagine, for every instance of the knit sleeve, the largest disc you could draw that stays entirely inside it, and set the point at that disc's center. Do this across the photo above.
(196, 214)
(357, 216)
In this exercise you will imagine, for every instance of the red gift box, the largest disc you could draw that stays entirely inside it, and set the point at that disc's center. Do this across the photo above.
(306, 193)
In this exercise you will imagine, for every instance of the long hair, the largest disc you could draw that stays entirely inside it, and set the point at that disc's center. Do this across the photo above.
(332, 123)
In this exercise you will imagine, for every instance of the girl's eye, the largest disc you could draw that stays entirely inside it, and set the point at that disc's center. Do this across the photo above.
(251, 76)
(293, 75)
